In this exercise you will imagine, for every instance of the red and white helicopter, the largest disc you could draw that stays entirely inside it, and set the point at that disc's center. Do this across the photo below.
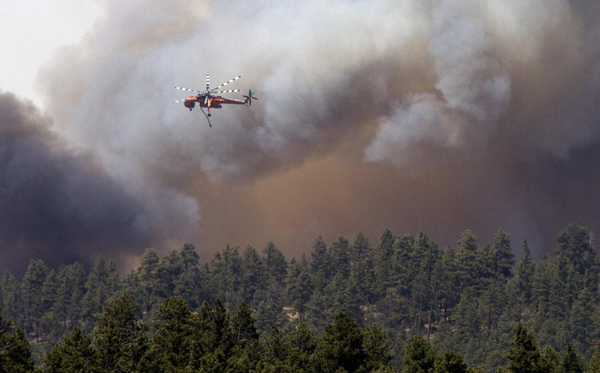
(209, 98)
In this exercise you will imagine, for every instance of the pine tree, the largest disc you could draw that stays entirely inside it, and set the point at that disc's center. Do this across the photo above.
(581, 318)
(15, 353)
(171, 345)
(468, 325)
(449, 280)
(523, 354)
(594, 366)
(226, 276)
(275, 263)
(48, 325)
(70, 291)
(424, 289)
(49, 291)
(276, 349)
(318, 310)
(450, 362)
(253, 275)
(419, 357)
(385, 250)
(32, 287)
(74, 354)
(524, 275)
(570, 362)
(543, 285)
(361, 249)
(149, 279)
(303, 344)
(502, 255)
(270, 312)
(98, 291)
(11, 290)
(574, 244)
(189, 257)
(550, 360)
(467, 259)
(340, 257)
(119, 336)
(341, 346)
(212, 341)
(243, 324)
(299, 286)
(377, 348)
(384, 265)
(320, 264)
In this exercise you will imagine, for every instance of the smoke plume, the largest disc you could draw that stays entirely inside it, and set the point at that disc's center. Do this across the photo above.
(436, 115)
(59, 203)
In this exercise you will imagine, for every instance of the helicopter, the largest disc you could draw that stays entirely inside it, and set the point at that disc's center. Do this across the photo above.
(209, 98)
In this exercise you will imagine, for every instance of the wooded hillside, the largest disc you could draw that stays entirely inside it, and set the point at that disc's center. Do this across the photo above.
(250, 310)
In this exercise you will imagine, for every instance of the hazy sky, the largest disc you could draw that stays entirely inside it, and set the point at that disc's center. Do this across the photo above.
(412, 115)
(31, 30)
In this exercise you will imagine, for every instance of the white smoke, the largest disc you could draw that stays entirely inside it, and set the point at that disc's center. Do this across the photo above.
(322, 69)
(499, 83)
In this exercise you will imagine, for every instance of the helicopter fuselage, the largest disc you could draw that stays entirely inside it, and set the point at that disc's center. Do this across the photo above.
(210, 101)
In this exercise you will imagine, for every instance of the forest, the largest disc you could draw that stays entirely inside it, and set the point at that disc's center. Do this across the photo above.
(402, 304)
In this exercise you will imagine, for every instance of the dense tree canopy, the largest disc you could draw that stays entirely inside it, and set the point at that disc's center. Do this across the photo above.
(401, 304)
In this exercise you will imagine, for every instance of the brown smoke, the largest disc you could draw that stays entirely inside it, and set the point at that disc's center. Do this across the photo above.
(435, 115)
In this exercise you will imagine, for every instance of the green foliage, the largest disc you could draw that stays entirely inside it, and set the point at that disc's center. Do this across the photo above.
(419, 357)
(31, 288)
(524, 275)
(570, 362)
(320, 264)
(11, 297)
(101, 284)
(341, 346)
(302, 344)
(463, 299)
(74, 354)
(377, 348)
(171, 345)
(119, 337)
(594, 366)
(299, 286)
(275, 263)
(15, 353)
(242, 324)
(450, 362)
(550, 360)
(523, 354)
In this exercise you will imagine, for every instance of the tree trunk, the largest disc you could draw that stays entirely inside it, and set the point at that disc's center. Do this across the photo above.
(429, 325)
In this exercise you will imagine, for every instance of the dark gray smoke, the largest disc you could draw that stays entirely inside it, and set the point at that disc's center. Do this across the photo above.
(59, 204)
(436, 115)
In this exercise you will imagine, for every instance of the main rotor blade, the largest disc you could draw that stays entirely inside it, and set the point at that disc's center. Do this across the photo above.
(187, 89)
(227, 82)
(229, 91)
(179, 100)
(207, 81)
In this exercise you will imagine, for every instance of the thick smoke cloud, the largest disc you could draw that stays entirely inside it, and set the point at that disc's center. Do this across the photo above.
(443, 114)
(59, 204)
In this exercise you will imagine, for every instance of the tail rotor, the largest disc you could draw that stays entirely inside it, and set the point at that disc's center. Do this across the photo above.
(250, 97)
